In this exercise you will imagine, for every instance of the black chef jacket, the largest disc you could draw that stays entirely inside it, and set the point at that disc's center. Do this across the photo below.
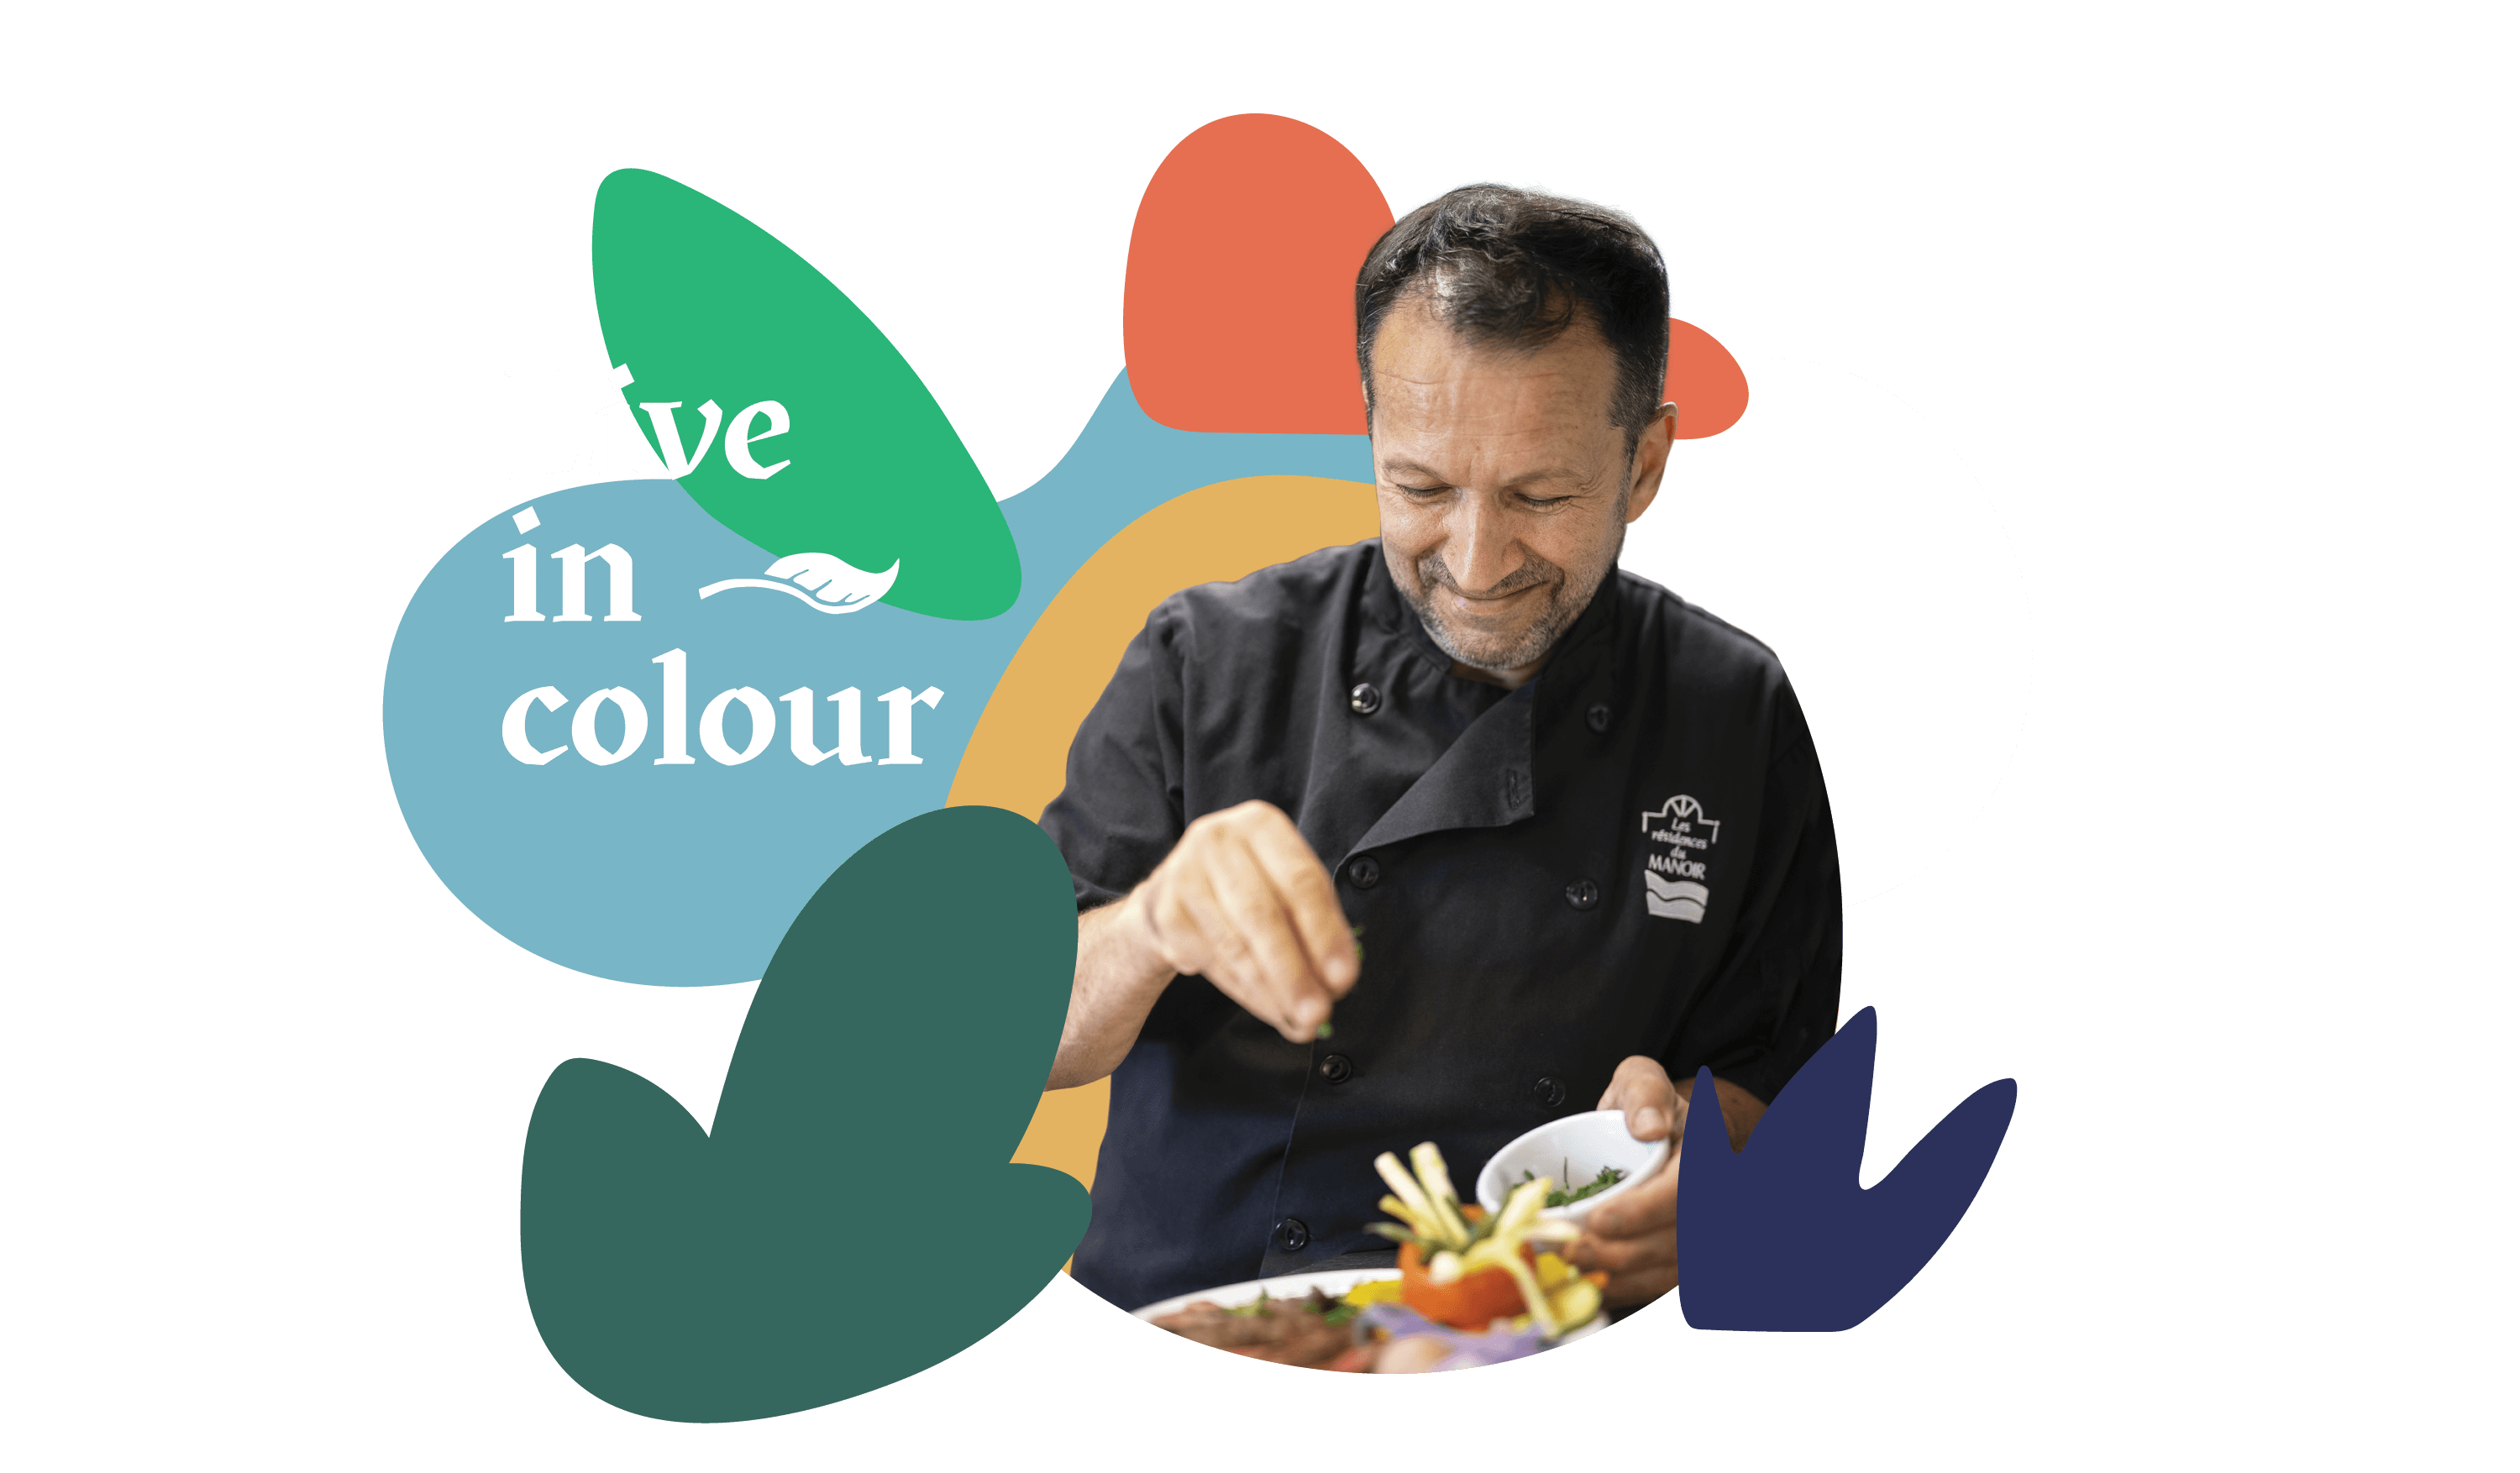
(1630, 853)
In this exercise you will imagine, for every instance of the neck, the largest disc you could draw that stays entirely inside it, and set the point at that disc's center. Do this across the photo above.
(1512, 680)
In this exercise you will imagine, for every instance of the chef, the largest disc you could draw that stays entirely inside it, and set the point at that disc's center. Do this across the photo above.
(1452, 832)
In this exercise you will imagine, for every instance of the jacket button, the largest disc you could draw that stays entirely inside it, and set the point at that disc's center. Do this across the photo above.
(1292, 1234)
(1597, 718)
(1583, 895)
(1365, 700)
(1365, 872)
(1337, 1069)
(1550, 1092)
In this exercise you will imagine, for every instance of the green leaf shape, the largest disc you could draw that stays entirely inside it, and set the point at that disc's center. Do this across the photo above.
(854, 1217)
(703, 306)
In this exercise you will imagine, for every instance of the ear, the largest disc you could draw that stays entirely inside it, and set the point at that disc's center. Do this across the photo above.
(1653, 456)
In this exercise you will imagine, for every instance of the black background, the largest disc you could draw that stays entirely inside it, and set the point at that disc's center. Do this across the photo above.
(991, 252)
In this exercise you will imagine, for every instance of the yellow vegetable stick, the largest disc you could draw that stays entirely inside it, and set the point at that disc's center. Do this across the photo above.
(1400, 1208)
(1505, 1252)
(1428, 1163)
(1522, 1206)
(1388, 1166)
(1447, 1220)
(1454, 1228)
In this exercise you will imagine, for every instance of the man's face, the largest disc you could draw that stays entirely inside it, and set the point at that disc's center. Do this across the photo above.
(1505, 488)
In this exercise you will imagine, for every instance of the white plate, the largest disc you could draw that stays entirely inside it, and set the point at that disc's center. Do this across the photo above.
(1334, 1283)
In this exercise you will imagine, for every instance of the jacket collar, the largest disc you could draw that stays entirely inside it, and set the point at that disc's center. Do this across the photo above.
(1485, 779)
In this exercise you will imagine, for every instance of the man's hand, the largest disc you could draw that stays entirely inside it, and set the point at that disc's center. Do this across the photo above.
(1634, 1236)
(1244, 901)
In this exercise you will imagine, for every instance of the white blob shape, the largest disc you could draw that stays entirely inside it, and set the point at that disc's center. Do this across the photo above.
(621, 376)
(833, 580)
(1845, 535)
(527, 521)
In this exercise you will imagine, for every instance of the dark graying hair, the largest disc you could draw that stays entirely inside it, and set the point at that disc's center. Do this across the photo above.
(1513, 268)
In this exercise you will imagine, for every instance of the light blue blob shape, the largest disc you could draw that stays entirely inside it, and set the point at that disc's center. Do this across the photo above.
(684, 877)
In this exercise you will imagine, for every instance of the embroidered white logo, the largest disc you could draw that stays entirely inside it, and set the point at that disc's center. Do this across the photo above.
(1676, 881)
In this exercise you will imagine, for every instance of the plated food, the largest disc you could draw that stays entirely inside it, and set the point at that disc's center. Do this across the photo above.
(1470, 1288)
(1307, 1330)
(1468, 1269)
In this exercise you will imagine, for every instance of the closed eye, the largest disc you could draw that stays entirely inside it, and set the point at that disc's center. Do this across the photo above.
(1529, 502)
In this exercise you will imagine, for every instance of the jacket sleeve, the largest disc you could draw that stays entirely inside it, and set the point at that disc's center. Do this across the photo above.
(1774, 999)
(1121, 810)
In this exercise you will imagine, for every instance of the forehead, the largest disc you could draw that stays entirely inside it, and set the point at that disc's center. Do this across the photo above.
(1434, 388)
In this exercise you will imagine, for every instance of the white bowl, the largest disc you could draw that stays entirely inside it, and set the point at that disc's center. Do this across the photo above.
(1573, 1147)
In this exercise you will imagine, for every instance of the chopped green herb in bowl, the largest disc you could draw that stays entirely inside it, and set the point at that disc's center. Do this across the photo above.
(1610, 1176)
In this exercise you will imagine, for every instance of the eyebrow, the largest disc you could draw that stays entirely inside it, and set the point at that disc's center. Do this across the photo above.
(1402, 466)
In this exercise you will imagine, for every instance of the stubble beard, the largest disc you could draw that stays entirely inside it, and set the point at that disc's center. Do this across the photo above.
(1499, 656)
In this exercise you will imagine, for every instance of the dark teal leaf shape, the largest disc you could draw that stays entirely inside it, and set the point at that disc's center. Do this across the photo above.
(853, 1217)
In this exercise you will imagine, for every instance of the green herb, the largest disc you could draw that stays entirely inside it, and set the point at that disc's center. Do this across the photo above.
(1331, 1311)
(1610, 1176)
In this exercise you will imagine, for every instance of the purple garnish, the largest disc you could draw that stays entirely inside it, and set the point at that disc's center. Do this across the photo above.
(1470, 1348)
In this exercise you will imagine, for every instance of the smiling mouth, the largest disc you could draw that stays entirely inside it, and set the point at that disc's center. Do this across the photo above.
(1485, 610)
(1493, 605)
(1477, 602)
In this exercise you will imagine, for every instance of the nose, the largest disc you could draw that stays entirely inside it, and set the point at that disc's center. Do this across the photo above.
(1479, 545)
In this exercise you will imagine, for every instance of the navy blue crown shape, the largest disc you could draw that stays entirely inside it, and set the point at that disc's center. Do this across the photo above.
(1783, 1235)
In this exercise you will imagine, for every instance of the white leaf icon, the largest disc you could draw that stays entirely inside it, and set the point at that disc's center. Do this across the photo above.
(822, 581)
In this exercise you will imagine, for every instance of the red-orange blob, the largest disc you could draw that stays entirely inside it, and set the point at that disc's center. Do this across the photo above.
(1704, 382)
(1240, 312)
